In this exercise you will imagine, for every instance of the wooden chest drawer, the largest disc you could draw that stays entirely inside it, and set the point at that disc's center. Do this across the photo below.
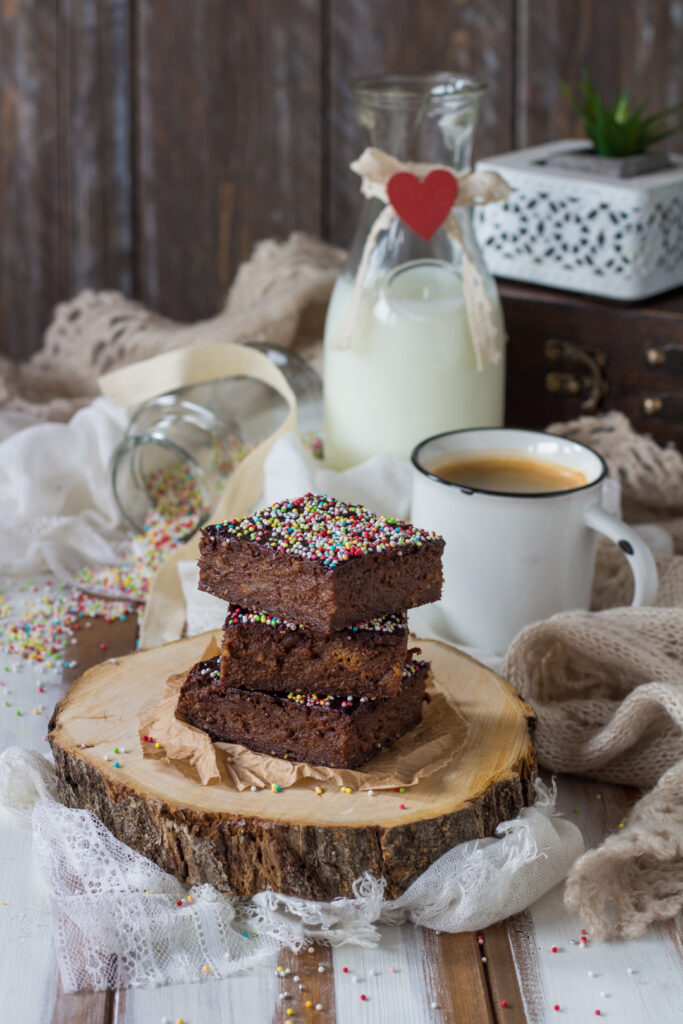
(570, 355)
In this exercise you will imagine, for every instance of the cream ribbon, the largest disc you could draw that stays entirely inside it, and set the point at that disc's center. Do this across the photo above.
(375, 168)
(164, 615)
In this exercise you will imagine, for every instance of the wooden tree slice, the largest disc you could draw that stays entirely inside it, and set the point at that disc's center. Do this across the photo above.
(293, 842)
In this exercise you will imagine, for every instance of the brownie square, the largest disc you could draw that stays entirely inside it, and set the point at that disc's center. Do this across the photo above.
(324, 730)
(262, 652)
(321, 562)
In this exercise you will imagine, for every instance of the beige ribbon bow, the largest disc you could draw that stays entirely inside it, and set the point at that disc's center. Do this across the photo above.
(375, 168)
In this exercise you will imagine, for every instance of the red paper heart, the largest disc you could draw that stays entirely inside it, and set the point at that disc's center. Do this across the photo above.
(423, 205)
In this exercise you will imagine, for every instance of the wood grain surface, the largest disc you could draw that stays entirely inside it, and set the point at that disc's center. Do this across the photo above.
(632, 46)
(227, 141)
(292, 842)
(147, 144)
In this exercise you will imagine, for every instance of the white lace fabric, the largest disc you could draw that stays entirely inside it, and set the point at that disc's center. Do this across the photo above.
(117, 922)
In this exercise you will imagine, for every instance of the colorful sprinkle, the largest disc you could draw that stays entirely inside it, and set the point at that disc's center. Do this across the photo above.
(239, 616)
(322, 529)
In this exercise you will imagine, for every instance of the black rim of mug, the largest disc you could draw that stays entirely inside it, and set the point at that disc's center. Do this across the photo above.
(415, 455)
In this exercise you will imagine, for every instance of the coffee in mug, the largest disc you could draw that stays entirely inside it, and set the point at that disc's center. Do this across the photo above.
(520, 512)
(508, 473)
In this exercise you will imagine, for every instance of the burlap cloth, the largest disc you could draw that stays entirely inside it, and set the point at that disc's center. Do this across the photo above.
(607, 685)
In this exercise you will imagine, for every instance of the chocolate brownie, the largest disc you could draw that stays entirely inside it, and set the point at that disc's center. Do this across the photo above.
(321, 562)
(333, 731)
(262, 652)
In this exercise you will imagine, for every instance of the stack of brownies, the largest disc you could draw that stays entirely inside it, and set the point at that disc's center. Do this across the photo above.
(314, 664)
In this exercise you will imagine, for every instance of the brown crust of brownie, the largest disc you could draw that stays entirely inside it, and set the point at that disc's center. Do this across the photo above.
(271, 724)
(263, 656)
(301, 590)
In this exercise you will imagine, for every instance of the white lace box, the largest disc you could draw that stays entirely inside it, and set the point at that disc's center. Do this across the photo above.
(619, 238)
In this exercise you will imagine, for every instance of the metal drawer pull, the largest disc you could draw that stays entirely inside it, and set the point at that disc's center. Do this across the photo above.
(591, 384)
(670, 356)
(651, 405)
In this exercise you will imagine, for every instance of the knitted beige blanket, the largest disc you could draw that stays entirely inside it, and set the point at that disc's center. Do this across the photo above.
(607, 685)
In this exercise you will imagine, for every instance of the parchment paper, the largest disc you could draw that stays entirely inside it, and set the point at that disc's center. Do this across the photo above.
(422, 752)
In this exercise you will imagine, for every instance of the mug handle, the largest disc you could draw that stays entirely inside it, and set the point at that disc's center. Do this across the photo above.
(634, 547)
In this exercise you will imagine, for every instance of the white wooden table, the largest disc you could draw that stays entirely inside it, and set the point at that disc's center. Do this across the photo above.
(636, 982)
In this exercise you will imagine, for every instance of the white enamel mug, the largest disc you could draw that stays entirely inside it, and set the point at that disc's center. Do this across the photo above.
(514, 559)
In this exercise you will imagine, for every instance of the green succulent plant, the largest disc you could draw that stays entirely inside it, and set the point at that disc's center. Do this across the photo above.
(619, 131)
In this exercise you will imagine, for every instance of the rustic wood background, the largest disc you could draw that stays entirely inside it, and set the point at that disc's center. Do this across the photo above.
(146, 145)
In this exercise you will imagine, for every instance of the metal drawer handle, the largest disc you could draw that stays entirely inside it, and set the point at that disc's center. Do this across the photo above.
(659, 355)
(591, 384)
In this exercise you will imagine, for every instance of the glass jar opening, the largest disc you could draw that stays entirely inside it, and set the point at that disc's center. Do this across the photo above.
(437, 88)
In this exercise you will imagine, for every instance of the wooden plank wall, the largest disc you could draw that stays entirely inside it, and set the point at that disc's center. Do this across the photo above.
(145, 145)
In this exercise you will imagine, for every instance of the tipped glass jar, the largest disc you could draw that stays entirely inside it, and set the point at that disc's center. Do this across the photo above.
(180, 447)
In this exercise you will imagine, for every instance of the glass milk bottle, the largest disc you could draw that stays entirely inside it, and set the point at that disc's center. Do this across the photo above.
(408, 367)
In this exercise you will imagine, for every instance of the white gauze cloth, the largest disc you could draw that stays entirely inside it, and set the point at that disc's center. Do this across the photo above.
(59, 508)
(117, 923)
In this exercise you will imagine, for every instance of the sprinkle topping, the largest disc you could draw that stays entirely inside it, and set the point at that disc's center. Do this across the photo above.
(237, 616)
(209, 671)
(321, 529)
